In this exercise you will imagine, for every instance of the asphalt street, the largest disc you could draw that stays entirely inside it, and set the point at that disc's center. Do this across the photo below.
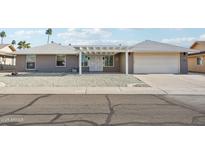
(102, 110)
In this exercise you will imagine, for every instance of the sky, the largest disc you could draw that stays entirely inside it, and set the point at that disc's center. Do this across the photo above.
(128, 36)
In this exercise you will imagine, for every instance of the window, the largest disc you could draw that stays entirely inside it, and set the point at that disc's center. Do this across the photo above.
(199, 60)
(60, 61)
(85, 60)
(31, 62)
(108, 61)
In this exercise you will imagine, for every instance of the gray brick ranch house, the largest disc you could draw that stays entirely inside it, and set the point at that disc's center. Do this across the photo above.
(145, 57)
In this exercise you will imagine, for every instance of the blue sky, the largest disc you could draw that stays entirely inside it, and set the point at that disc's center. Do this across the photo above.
(36, 36)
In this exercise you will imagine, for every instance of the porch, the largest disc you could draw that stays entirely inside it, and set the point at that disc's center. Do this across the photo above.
(104, 59)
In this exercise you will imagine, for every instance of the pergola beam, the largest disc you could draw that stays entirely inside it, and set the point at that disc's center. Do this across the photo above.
(101, 49)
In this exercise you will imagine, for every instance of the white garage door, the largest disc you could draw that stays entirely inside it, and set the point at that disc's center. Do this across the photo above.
(156, 63)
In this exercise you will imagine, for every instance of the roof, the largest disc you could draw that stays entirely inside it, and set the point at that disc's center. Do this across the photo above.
(145, 46)
(3, 45)
(52, 48)
(7, 45)
(197, 53)
(6, 54)
(153, 46)
(197, 42)
(7, 50)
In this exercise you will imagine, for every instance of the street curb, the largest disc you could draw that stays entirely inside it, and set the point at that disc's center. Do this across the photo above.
(101, 90)
(80, 90)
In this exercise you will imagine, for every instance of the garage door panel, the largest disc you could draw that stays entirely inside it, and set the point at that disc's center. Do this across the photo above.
(156, 63)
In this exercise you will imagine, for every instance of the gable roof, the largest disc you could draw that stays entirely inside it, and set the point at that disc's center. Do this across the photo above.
(52, 48)
(2, 46)
(142, 47)
(199, 51)
(153, 46)
(197, 42)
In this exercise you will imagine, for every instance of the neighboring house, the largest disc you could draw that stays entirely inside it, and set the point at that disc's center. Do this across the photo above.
(196, 60)
(145, 57)
(7, 56)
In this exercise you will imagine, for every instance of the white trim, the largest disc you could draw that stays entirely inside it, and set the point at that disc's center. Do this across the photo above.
(100, 48)
(113, 65)
(126, 63)
(44, 53)
(56, 60)
(27, 61)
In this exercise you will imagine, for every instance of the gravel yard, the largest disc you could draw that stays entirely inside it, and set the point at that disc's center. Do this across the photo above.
(68, 80)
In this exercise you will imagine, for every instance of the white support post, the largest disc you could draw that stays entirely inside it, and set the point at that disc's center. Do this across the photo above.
(126, 63)
(80, 62)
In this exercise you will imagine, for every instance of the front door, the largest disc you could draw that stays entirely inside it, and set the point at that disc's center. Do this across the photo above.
(95, 63)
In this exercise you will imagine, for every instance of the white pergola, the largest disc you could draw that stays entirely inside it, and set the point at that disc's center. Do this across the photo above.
(102, 50)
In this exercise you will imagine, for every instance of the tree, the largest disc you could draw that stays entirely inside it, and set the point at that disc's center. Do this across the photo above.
(49, 33)
(2, 35)
(23, 45)
(13, 42)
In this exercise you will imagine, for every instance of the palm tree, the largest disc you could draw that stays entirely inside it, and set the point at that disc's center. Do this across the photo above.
(13, 42)
(2, 35)
(23, 45)
(49, 33)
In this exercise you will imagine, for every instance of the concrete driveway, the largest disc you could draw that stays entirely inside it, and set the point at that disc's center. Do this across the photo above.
(176, 84)
(102, 110)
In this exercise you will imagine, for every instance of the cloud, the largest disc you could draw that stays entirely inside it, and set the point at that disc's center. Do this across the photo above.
(90, 36)
(202, 37)
(26, 34)
(184, 41)
(98, 42)
(178, 29)
(179, 40)
(87, 33)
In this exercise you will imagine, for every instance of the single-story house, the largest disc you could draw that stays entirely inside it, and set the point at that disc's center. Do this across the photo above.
(196, 59)
(145, 57)
(7, 57)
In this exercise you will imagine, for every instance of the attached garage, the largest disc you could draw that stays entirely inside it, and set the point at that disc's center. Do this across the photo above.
(155, 57)
(156, 63)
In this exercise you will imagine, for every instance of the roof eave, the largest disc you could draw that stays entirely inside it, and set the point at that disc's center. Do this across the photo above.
(164, 51)
(45, 53)
(6, 54)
